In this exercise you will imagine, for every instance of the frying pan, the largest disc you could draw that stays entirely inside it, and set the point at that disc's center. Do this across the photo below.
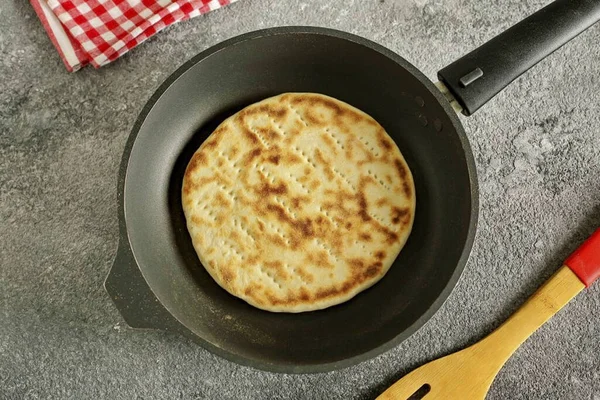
(157, 280)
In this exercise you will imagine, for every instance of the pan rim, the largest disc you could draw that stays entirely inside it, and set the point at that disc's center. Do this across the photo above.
(124, 239)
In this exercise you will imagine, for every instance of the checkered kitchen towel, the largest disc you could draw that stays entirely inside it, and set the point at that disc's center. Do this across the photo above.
(99, 31)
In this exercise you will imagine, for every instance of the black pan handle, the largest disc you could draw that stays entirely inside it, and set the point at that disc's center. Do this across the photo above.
(477, 77)
(133, 298)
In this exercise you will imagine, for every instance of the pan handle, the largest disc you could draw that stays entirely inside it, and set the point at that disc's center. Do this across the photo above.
(132, 296)
(477, 77)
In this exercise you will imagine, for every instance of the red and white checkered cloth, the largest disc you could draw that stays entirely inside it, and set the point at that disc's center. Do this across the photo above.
(99, 31)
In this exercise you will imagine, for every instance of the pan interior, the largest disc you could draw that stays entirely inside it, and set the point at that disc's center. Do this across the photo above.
(218, 84)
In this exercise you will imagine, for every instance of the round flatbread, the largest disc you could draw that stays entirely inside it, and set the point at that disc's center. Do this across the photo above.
(298, 202)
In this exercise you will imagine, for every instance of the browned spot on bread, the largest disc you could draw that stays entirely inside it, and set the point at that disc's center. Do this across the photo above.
(290, 158)
(266, 189)
(303, 199)
(280, 212)
(265, 132)
(359, 275)
(280, 112)
(365, 237)
(198, 160)
(253, 290)
(291, 298)
(343, 128)
(326, 293)
(356, 264)
(199, 238)
(197, 220)
(399, 214)
(314, 185)
(277, 240)
(253, 260)
(305, 227)
(272, 299)
(354, 116)
(274, 111)
(385, 143)
(380, 254)
(234, 235)
(381, 202)
(400, 169)
(272, 134)
(312, 118)
(323, 258)
(205, 180)
(188, 187)
(220, 218)
(297, 201)
(363, 206)
(295, 131)
(325, 162)
(304, 295)
(211, 144)
(373, 270)
(251, 136)
(391, 235)
(221, 201)
(406, 189)
(256, 152)
(349, 151)
(274, 159)
(314, 101)
(228, 274)
(329, 142)
(319, 259)
(342, 204)
(220, 162)
(220, 131)
(278, 268)
(336, 242)
(306, 277)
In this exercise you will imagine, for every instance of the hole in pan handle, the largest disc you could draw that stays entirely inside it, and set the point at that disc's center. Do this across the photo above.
(477, 77)
(132, 296)
(420, 393)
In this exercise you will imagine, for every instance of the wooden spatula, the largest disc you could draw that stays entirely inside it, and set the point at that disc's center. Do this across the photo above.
(468, 374)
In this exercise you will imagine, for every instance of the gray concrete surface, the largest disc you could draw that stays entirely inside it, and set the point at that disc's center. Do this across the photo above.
(537, 147)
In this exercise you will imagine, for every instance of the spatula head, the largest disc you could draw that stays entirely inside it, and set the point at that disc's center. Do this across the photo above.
(458, 376)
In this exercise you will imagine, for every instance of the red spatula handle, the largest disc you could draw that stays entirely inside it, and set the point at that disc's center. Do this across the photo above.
(585, 261)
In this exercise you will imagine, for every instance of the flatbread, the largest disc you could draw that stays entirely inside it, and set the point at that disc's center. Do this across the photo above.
(298, 202)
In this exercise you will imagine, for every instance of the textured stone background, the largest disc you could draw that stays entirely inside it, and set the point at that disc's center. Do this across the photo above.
(537, 147)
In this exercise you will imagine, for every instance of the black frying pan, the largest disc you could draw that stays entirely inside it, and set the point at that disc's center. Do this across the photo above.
(157, 280)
